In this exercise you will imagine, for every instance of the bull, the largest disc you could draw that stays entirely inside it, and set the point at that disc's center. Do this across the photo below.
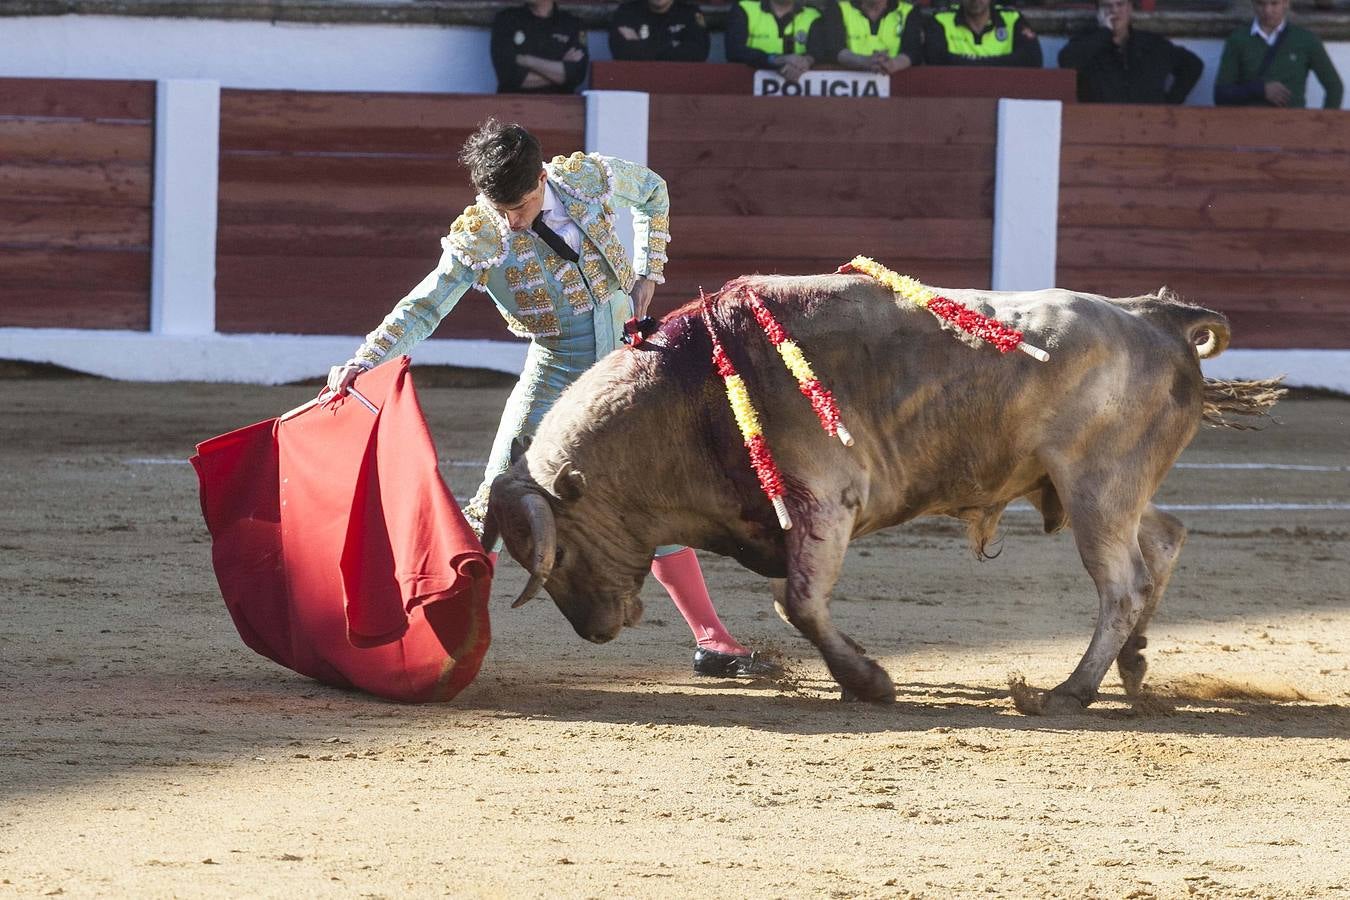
(643, 451)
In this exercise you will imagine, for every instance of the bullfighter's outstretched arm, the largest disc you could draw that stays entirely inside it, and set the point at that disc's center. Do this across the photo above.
(418, 313)
(641, 189)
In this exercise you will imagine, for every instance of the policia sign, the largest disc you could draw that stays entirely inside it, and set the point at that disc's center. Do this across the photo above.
(769, 83)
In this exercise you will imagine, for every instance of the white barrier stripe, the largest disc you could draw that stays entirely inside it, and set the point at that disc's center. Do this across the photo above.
(478, 464)
(1251, 507)
(1023, 506)
(172, 461)
(1020, 506)
(1284, 467)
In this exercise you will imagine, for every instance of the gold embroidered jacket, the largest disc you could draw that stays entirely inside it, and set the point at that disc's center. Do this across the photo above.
(532, 285)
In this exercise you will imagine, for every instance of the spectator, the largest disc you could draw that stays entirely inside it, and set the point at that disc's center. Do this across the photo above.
(978, 34)
(873, 35)
(538, 48)
(1268, 63)
(668, 30)
(1118, 63)
(775, 34)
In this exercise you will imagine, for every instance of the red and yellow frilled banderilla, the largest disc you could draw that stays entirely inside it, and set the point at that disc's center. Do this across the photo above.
(1006, 339)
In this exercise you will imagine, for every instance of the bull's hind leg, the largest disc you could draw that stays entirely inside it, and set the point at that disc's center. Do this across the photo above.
(816, 554)
(1106, 529)
(1161, 537)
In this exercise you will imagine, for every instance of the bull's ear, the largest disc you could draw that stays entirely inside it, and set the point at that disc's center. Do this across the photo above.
(518, 447)
(568, 483)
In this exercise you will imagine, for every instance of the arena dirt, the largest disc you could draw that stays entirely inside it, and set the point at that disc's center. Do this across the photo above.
(145, 752)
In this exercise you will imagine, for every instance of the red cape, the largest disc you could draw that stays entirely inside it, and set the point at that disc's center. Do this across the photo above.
(339, 550)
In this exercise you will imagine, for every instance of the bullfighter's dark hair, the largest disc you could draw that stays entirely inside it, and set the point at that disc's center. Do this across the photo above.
(504, 161)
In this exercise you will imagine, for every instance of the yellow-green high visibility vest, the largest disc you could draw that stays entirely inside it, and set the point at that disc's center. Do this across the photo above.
(858, 27)
(764, 34)
(961, 40)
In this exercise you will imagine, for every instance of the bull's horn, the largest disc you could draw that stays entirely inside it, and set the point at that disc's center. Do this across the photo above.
(545, 539)
(490, 532)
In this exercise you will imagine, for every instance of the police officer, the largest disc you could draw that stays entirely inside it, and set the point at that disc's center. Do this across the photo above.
(874, 35)
(978, 34)
(775, 34)
(538, 49)
(667, 30)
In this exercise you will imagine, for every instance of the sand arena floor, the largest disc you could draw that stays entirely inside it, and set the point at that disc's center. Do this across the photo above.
(145, 752)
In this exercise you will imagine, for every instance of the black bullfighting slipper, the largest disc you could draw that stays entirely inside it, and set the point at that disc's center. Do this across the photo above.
(715, 664)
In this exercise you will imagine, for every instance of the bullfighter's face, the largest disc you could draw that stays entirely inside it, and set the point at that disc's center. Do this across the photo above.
(520, 213)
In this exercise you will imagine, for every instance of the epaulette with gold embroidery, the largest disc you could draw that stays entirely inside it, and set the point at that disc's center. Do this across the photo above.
(585, 177)
(477, 238)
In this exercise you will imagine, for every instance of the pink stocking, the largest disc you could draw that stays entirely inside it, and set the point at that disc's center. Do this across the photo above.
(682, 577)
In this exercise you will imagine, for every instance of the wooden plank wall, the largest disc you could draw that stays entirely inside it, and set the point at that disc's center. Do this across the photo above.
(1241, 210)
(332, 205)
(75, 202)
(801, 185)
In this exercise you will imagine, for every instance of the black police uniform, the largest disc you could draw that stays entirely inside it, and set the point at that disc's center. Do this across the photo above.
(677, 35)
(517, 31)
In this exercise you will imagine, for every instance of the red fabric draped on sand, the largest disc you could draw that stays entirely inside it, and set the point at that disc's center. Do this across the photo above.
(339, 550)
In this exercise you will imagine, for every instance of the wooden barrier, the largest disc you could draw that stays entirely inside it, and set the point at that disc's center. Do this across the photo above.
(332, 205)
(1241, 210)
(801, 185)
(75, 202)
(919, 81)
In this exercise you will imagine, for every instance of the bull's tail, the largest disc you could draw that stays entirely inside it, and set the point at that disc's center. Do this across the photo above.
(1208, 332)
(1241, 398)
(1204, 329)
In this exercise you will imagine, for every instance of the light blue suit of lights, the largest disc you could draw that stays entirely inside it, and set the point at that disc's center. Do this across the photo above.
(573, 313)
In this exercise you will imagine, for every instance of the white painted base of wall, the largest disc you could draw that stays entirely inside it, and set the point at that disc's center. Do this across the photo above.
(282, 358)
(1303, 368)
(242, 358)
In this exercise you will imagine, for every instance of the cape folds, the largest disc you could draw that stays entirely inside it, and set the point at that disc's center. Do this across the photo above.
(339, 550)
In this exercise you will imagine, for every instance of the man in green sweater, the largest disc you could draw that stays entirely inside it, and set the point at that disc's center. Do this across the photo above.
(1267, 63)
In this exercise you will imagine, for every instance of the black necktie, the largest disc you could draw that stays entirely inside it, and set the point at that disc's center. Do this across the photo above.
(553, 239)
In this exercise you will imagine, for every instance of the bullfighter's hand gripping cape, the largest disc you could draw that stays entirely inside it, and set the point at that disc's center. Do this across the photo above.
(339, 550)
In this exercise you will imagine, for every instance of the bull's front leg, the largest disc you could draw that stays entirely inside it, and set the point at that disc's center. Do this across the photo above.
(815, 556)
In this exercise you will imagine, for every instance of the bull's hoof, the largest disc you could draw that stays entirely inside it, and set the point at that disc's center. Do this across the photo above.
(1132, 675)
(1031, 701)
(1056, 704)
(1132, 666)
(873, 686)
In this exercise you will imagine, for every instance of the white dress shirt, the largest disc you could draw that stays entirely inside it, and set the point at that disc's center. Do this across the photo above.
(1271, 38)
(556, 217)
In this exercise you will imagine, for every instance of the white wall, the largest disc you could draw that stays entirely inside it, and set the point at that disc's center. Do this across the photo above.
(260, 55)
(302, 56)
(246, 54)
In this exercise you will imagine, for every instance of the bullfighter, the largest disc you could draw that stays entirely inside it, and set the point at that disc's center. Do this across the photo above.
(540, 242)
